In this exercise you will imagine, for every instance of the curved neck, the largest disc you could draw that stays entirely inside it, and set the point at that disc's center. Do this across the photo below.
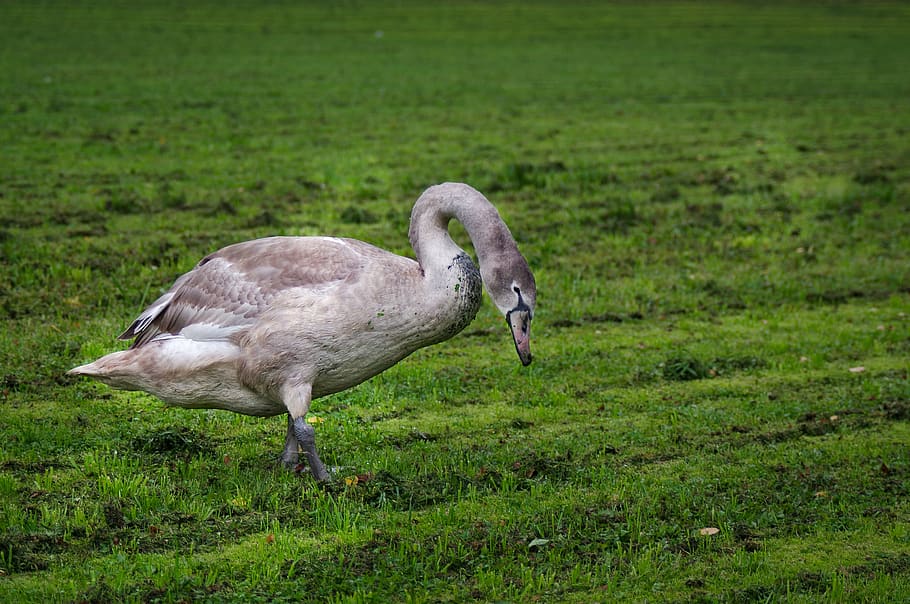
(429, 230)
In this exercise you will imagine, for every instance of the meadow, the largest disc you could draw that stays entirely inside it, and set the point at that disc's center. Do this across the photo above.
(714, 198)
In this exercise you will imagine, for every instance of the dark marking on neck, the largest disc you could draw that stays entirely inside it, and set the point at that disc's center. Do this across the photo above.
(467, 291)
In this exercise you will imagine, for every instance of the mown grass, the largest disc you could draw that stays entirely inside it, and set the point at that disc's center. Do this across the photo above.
(713, 197)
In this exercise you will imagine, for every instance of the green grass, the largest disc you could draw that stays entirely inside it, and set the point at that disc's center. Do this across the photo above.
(714, 199)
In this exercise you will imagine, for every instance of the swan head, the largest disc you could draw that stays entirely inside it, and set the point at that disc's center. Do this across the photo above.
(516, 302)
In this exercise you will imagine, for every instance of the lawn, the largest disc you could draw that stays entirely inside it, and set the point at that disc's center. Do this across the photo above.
(714, 198)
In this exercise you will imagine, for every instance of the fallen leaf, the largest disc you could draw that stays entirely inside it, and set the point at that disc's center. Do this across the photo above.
(315, 420)
(803, 359)
(821, 494)
(535, 543)
(270, 538)
(857, 369)
(227, 459)
(708, 531)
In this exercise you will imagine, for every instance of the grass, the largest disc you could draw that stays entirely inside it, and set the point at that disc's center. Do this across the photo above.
(713, 197)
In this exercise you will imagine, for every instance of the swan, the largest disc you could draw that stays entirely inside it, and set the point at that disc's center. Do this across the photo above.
(265, 326)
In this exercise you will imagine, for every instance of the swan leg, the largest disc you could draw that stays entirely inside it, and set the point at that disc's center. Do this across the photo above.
(297, 397)
(290, 457)
(306, 436)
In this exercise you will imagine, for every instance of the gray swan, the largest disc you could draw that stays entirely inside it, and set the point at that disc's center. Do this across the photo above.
(263, 327)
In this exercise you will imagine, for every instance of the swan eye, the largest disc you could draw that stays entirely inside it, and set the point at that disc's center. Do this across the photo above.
(521, 305)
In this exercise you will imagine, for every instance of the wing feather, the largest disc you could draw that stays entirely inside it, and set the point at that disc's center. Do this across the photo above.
(228, 290)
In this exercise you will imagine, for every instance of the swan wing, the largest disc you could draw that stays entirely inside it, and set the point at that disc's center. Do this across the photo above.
(228, 290)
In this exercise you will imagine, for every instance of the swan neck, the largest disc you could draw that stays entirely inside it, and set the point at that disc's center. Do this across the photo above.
(429, 232)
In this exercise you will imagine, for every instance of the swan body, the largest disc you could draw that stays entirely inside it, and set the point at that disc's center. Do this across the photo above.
(263, 327)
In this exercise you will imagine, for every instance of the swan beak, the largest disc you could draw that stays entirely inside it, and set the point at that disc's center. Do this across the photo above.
(520, 323)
